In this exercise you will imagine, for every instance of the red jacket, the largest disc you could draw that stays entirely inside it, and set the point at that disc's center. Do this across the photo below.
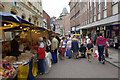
(101, 41)
(41, 53)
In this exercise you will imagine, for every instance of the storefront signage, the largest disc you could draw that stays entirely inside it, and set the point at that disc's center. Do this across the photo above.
(98, 28)
(101, 28)
(93, 29)
(115, 28)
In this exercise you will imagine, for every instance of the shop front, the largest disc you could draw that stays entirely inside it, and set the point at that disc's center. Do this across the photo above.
(92, 32)
(115, 35)
(101, 29)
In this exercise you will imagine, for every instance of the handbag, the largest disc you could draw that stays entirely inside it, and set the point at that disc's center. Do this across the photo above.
(89, 52)
(59, 50)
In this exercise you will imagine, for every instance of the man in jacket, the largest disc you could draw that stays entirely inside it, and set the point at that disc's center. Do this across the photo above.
(54, 47)
(101, 44)
(75, 48)
(15, 47)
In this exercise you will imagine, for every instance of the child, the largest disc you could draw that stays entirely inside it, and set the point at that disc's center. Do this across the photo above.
(89, 50)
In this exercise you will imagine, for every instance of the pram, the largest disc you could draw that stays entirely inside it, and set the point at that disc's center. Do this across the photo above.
(82, 51)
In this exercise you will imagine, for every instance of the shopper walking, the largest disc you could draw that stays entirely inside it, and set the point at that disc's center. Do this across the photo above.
(62, 48)
(87, 39)
(101, 44)
(89, 50)
(75, 48)
(41, 56)
(68, 52)
(54, 47)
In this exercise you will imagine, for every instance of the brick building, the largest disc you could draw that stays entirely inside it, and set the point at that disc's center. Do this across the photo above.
(63, 22)
(95, 16)
(74, 15)
(46, 20)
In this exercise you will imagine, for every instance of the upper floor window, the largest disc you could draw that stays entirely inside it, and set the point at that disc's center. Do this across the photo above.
(105, 4)
(90, 3)
(94, 3)
(98, 6)
(114, 1)
(115, 7)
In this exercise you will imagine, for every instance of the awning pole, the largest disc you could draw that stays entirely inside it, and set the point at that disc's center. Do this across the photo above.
(30, 36)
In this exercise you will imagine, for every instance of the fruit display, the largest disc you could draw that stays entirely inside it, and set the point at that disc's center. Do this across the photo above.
(9, 64)
(7, 69)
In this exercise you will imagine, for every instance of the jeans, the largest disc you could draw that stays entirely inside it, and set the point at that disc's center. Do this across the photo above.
(41, 67)
(54, 56)
(101, 53)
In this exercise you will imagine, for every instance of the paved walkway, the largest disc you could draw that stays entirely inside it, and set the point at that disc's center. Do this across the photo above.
(81, 68)
(114, 56)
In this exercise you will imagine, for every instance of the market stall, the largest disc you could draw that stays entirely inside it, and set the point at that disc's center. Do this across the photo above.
(25, 66)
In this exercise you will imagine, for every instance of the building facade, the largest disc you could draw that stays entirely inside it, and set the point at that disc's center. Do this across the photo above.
(63, 23)
(74, 15)
(97, 16)
(46, 20)
(30, 11)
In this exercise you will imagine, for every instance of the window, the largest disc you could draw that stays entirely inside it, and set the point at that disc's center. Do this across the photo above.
(98, 16)
(105, 4)
(94, 11)
(105, 13)
(94, 18)
(94, 3)
(115, 7)
(90, 3)
(105, 9)
(29, 20)
(98, 6)
(23, 17)
(114, 1)
(13, 12)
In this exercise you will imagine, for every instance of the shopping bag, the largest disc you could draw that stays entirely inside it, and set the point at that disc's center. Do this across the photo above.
(89, 52)
(96, 54)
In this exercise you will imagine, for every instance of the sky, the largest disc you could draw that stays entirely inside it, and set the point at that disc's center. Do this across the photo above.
(55, 7)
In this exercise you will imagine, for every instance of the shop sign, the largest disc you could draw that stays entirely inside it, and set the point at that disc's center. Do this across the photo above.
(101, 28)
(115, 28)
(98, 28)
(93, 29)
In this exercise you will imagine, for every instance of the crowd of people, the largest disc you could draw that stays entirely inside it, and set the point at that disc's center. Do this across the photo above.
(72, 46)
